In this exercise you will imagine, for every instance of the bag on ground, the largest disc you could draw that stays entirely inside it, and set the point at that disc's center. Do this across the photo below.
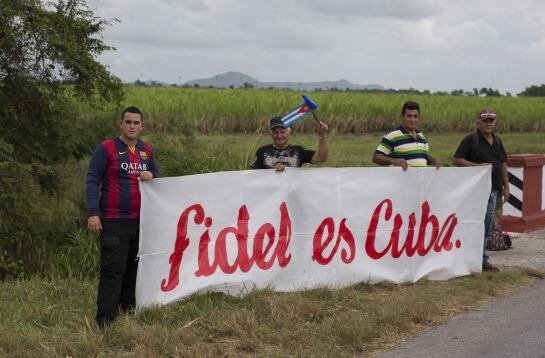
(497, 240)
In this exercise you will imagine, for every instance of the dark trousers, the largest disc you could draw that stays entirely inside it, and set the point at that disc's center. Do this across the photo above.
(490, 209)
(117, 281)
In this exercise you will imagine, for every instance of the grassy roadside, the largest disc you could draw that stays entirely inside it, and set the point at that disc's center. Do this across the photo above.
(352, 150)
(55, 318)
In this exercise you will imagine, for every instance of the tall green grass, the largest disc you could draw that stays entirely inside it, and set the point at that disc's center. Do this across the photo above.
(248, 110)
(78, 259)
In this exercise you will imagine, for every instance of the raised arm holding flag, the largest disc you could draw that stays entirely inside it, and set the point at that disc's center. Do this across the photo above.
(280, 154)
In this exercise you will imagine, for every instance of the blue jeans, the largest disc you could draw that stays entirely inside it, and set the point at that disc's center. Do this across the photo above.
(490, 209)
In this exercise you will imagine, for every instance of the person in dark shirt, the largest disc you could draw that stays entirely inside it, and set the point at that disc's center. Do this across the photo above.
(116, 166)
(280, 154)
(483, 147)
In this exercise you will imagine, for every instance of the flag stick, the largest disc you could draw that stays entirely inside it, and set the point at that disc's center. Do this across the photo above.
(314, 115)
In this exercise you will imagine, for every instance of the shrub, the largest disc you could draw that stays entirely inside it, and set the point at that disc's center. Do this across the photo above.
(32, 221)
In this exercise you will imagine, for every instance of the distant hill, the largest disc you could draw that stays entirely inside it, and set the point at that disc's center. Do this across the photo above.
(238, 79)
(155, 83)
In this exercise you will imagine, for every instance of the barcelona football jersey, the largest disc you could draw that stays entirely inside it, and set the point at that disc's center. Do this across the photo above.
(115, 168)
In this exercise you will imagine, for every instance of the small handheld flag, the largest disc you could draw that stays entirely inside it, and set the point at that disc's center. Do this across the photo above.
(308, 106)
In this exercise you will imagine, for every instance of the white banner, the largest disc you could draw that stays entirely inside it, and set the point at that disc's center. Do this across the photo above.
(305, 228)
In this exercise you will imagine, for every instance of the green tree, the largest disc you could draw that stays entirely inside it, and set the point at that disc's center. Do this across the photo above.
(489, 92)
(457, 92)
(48, 68)
(48, 60)
(534, 91)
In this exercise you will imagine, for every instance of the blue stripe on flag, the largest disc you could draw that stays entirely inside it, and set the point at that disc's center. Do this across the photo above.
(291, 114)
(295, 118)
(299, 112)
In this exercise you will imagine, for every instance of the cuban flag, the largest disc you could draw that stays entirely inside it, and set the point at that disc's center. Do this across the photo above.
(305, 108)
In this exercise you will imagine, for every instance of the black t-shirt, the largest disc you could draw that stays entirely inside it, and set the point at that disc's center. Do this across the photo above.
(293, 156)
(480, 151)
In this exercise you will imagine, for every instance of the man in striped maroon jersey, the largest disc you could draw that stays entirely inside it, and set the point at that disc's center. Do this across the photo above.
(115, 168)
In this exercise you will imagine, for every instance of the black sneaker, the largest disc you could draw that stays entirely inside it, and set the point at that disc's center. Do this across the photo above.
(128, 309)
(104, 322)
(488, 267)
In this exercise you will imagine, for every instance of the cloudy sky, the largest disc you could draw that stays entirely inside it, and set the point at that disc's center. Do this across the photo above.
(424, 44)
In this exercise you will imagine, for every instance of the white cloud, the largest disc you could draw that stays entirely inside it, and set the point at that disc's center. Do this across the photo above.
(399, 9)
(193, 5)
(429, 44)
(433, 37)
